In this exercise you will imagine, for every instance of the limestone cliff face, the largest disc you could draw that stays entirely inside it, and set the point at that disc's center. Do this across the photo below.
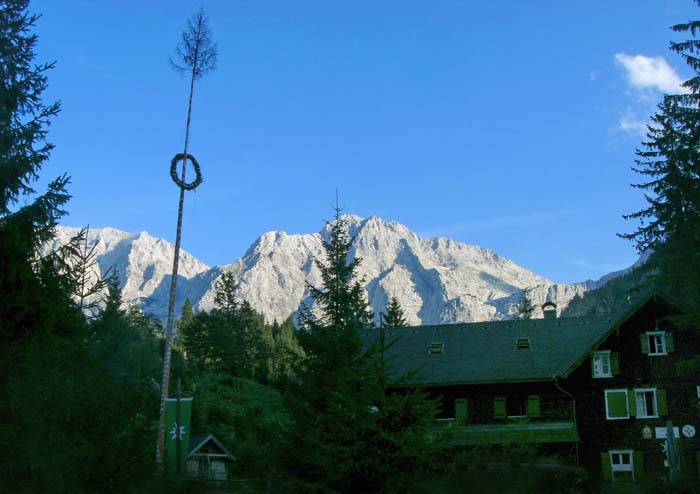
(437, 280)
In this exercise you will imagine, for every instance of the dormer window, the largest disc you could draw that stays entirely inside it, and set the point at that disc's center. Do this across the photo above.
(436, 348)
(522, 343)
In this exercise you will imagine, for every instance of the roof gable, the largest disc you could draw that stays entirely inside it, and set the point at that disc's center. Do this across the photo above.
(636, 304)
(198, 441)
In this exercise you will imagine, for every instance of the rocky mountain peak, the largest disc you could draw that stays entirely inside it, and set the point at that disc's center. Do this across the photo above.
(437, 280)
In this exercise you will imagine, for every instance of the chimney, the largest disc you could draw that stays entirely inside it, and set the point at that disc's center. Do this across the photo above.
(549, 309)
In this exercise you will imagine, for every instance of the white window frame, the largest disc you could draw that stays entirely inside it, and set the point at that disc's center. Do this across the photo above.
(662, 334)
(622, 467)
(656, 404)
(627, 395)
(602, 355)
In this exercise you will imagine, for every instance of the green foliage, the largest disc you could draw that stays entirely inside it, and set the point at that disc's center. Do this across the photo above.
(287, 351)
(235, 340)
(502, 479)
(187, 314)
(84, 407)
(394, 316)
(113, 300)
(249, 419)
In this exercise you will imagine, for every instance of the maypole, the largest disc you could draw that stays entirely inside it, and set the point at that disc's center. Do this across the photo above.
(196, 55)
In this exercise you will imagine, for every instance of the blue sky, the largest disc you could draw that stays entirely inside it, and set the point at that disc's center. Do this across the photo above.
(507, 124)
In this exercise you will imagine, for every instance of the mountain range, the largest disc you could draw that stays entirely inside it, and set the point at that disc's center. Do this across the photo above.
(437, 280)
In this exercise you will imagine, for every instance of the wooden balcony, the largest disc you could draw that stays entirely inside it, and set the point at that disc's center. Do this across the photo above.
(508, 433)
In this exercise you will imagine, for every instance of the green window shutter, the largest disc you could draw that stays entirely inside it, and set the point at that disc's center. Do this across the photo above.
(632, 402)
(644, 339)
(461, 408)
(670, 347)
(499, 407)
(617, 404)
(592, 366)
(638, 464)
(605, 466)
(533, 406)
(614, 363)
(661, 402)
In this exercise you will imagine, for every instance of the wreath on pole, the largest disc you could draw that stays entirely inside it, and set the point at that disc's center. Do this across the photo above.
(173, 172)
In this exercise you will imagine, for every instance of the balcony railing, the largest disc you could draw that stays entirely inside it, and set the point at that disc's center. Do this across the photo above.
(517, 432)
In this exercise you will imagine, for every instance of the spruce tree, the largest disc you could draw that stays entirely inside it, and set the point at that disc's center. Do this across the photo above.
(669, 161)
(287, 350)
(87, 284)
(225, 299)
(349, 435)
(330, 327)
(26, 221)
(394, 316)
(187, 312)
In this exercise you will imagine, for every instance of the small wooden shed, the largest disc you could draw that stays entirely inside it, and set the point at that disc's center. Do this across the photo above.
(207, 459)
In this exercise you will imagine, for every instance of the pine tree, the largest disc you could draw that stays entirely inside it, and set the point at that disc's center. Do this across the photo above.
(669, 160)
(225, 294)
(287, 350)
(113, 299)
(187, 312)
(196, 342)
(394, 316)
(24, 122)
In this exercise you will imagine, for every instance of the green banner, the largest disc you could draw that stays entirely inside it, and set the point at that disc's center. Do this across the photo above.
(177, 438)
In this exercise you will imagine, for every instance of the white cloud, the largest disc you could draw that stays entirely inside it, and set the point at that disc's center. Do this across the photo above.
(647, 78)
(634, 124)
(645, 72)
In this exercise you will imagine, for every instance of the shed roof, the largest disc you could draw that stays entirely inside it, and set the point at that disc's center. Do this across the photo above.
(199, 440)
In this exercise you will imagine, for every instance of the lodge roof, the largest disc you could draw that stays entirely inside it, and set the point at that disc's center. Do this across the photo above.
(498, 351)
(488, 351)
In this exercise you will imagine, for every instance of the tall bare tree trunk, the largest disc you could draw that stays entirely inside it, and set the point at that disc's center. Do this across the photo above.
(160, 448)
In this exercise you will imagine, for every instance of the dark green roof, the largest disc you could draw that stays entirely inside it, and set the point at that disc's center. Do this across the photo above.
(486, 352)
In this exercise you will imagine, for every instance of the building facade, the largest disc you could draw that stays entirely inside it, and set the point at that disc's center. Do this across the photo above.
(594, 392)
